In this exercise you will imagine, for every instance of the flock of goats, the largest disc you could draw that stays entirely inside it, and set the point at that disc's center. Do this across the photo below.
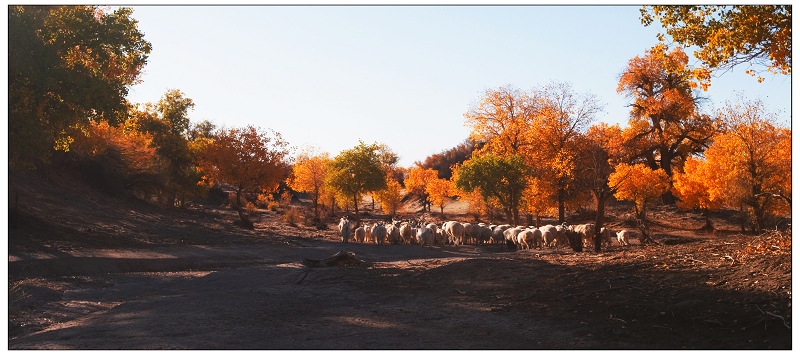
(457, 233)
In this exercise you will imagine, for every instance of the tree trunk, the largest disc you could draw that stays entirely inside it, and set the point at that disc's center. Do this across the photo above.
(598, 222)
(561, 213)
(355, 203)
(240, 210)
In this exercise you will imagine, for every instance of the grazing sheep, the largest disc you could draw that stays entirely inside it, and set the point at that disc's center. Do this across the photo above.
(523, 237)
(484, 234)
(393, 233)
(379, 232)
(510, 234)
(497, 233)
(361, 234)
(344, 228)
(623, 236)
(587, 233)
(425, 236)
(406, 233)
(549, 232)
(469, 233)
(454, 231)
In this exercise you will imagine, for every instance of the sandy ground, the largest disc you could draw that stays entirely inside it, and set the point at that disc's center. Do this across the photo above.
(91, 271)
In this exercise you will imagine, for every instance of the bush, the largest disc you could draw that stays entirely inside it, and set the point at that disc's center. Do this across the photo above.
(292, 216)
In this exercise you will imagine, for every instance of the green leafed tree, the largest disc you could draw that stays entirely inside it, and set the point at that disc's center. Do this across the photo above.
(357, 171)
(498, 178)
(67, 65)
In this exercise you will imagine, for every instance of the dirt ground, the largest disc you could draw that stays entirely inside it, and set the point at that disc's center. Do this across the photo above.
(90, 271)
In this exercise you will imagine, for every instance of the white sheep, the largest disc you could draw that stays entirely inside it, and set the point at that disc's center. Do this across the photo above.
(549, 233)
(393, 233)
(361, 234)
(497, 233)
(379, 232)
(529, 237)
(425, 235)
(406, 233)
(344, 228)
(454, 231)
(623, 236)
(586, 231)
(469, 233)
(511, 234)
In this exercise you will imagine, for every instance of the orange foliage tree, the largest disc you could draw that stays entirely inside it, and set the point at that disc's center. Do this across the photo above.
(640, 184)
(129, 151)
(249, 159)
(727, 36)
(665, 126)
(747, 167)
(440, 192)
(390, 197)
(541, 125)
(308, 175)
(416, 182)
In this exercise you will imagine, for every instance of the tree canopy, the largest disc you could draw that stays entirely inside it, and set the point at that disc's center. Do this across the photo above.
(500, 178)
(357, 171)
(748, 167)
(67, 65)
(249, 159)
(730, 35)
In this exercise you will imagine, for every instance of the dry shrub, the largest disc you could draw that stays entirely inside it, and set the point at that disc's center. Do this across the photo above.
(286, 198)
(292, 216)
(772, 244)
(266, 201)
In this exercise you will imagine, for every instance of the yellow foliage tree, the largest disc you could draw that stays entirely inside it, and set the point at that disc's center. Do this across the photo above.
(440, 192)
(665, 126)
(541, 125)
(537, 197)
(748, 167)
(308, 175)
(727, 36)
(416, 182)
(640, 184)
(390, 198)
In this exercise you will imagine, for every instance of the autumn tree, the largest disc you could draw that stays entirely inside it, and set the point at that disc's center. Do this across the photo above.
(727, 36)
(564, 117)
(67, 65)
(748, 167)
(416, 182)
(501, 121)
(440, 192)
(665, 126)
(599, 151)
(390, 197)
(249, 159)
(308, 175)
(500, 178)
(640, 184)
(541, 125)
(122, 156)
(357, 171)
(443, 162)
(537, 197)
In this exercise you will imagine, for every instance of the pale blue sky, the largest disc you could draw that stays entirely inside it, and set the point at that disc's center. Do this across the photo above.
(327, 76)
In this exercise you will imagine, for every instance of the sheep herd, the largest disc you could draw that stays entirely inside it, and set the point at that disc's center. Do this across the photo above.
(457, 233)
